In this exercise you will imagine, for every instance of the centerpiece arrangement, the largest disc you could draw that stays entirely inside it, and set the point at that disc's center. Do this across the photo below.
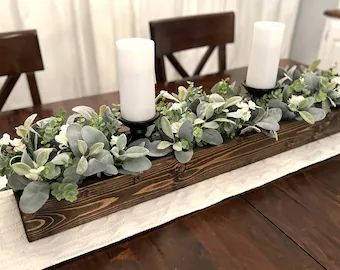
(86, 158)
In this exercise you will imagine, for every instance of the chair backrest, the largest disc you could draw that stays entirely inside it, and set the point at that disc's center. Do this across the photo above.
(177, 34)
(19, 53)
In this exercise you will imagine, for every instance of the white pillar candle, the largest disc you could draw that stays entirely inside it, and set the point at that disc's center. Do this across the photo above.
(265, 54)
(136, 77)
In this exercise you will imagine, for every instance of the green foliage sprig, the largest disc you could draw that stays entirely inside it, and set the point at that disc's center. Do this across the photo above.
(55, 155)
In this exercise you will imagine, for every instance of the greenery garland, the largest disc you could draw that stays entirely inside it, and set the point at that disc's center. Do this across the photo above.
(55, 155)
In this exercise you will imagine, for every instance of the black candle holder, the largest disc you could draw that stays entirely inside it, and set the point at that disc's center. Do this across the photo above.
(139, 129)
(258, 93)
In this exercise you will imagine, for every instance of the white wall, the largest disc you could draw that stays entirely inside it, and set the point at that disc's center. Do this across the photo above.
(309, 27)
(77, 37)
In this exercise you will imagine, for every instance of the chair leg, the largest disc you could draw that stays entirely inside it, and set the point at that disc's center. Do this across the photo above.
(33, 88)
(222, 57)
(7, 88)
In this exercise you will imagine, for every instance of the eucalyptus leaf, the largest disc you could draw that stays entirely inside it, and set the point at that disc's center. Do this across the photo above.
(163, 145)
(155, 152)
(184, 156)
(212, 137)
(137, 164)
(186, 131)
(34, 197)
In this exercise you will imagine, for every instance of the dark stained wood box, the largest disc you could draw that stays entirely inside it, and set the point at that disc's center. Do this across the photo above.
(105, 197)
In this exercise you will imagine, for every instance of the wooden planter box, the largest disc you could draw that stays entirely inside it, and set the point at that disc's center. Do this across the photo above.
(102, 198)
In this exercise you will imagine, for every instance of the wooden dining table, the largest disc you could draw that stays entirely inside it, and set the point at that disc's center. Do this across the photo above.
(291, 223)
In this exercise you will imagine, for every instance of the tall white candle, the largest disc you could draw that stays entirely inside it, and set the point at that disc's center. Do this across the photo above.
(265, 54)
(136, 77)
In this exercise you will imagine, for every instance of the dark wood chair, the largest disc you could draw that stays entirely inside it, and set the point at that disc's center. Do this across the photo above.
(177, 34)
(19, 53)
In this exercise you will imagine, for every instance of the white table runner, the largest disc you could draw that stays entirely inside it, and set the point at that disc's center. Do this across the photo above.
(17, 253)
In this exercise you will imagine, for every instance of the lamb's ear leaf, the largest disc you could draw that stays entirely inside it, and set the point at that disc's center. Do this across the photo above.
(25, 158)
(92, 135)
(276, 113)
(82, 166)
(184, 156)
(250, 129)
(34, 197)
(94, 167)
(212, 136)
(20, 168)
(308, 117)
(85, 111)
(29, 121)
(166, 127)
(318, 113)
(268, 124)
(17, 182)
(42, 155)
(73, 134)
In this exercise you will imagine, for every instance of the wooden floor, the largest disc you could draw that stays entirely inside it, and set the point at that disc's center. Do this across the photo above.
(292, 223)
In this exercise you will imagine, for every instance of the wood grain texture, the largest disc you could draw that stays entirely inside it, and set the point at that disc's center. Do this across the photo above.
(166, 175)
(230, 235)
(305, 206)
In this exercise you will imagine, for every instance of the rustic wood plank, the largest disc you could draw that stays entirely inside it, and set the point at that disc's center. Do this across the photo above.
(306, 207)
(230, 235)
(105, 197)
